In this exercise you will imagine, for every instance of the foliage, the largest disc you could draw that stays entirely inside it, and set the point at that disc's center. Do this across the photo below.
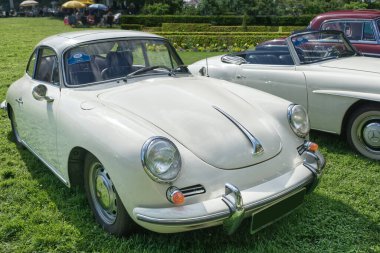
(223, 20)
(219, 42)
(355, 6)
(156, 9)
(174, 5)
(279, 7)
(189, 10)
(39, 214)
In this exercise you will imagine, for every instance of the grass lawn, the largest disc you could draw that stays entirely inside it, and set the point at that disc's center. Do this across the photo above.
(39, 214)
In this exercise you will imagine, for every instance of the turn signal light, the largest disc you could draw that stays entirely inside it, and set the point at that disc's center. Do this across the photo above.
(312, 146)
(175, 196)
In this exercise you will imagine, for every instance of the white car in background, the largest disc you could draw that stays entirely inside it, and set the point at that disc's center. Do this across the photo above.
(117, 112)
(320, 70)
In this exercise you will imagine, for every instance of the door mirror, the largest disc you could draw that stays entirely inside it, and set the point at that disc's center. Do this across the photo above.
(39, 93)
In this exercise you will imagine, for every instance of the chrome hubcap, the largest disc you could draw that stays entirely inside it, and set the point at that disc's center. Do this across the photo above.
(371, 134)
(103, 193)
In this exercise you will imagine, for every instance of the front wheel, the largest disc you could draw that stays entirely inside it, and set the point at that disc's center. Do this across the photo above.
(363, 131)
(104, 200)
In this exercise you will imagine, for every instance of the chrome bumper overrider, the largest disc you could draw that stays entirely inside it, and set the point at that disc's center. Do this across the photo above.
(230, 210)
(3, 105)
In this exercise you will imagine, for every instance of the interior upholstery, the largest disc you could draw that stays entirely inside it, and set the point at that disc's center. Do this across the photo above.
(118, 64)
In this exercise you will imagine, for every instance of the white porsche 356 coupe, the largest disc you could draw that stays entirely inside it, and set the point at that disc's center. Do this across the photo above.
(117, 112)
(320, 70)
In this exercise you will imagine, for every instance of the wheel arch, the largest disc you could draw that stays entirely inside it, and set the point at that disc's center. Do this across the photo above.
(75, 166)
(352, 109)
(9, 110)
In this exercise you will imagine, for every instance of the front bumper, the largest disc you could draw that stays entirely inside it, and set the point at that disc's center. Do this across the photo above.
(234, 205)
(3, 105)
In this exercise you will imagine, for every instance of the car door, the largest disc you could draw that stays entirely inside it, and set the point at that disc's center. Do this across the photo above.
(280, 80)
(40, 99)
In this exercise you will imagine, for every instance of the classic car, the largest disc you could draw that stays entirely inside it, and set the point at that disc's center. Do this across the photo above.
(320, 70)
(119, 113)
(361, 27)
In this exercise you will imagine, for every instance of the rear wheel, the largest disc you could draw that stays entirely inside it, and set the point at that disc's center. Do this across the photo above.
(363, 131)
(104, 200)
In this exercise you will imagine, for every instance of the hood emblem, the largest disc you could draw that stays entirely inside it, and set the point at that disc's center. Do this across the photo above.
(257, 148)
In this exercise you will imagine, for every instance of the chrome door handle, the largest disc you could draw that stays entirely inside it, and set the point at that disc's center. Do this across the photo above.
(19, 100)
(240, 77)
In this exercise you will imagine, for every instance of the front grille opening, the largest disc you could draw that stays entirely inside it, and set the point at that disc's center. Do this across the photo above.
(193, 190)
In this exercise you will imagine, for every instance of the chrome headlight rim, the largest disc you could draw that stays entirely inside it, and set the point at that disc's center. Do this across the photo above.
(144, 153)
(290, 120)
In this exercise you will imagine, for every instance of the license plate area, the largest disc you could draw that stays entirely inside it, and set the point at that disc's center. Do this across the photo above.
(273, 213)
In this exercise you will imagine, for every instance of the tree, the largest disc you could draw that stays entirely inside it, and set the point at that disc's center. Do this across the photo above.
(355, 6)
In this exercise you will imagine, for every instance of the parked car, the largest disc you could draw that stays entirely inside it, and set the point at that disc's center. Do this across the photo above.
(320, 70)
(361, 27)
(117, 112)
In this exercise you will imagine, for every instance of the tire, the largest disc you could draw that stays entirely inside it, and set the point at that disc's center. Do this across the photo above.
(15, 136)
(363, 131)
(104, 201)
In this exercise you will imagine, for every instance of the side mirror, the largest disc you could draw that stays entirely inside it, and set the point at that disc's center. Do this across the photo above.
(39, 93)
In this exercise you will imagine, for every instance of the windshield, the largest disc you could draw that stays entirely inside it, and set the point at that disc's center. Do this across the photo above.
(321, 45)
(102, 61)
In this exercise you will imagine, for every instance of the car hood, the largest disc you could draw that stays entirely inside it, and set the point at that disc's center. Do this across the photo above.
(356, 63)
(184, 108)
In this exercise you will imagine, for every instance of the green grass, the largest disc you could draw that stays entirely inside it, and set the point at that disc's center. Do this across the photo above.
(39, 214)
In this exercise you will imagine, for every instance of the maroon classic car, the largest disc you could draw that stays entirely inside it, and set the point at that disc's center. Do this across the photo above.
(361, 27)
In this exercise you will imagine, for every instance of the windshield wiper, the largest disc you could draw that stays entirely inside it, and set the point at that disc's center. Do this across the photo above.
(149, 68)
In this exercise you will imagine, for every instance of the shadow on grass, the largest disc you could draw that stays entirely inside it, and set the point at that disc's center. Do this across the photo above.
(321, 224)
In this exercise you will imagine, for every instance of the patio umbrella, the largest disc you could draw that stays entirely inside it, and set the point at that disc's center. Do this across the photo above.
(101, 7)
(86, 1)
(73, 5)
(28, 3)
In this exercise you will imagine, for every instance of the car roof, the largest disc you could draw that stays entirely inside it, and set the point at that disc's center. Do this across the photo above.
(344, 14)
(62, 41)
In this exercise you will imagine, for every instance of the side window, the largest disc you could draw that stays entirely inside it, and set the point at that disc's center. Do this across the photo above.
(333, 25)
(353, 30)
(32, 63)
(368, 31)
(47, 66)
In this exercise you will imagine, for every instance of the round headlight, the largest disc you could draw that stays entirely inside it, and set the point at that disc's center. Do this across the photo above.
(161, 159)
(298, 120)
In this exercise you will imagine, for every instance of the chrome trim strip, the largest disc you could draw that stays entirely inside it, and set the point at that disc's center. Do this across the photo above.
(256, 145)
(225, 214)
(54, 170)
(371, 55)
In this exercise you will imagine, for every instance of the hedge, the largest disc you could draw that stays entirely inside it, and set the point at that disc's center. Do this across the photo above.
(291, 28)
(152, 29)
(282, 34)
(132, 27)
(157, 20)
(217, 42)
(194, 27)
